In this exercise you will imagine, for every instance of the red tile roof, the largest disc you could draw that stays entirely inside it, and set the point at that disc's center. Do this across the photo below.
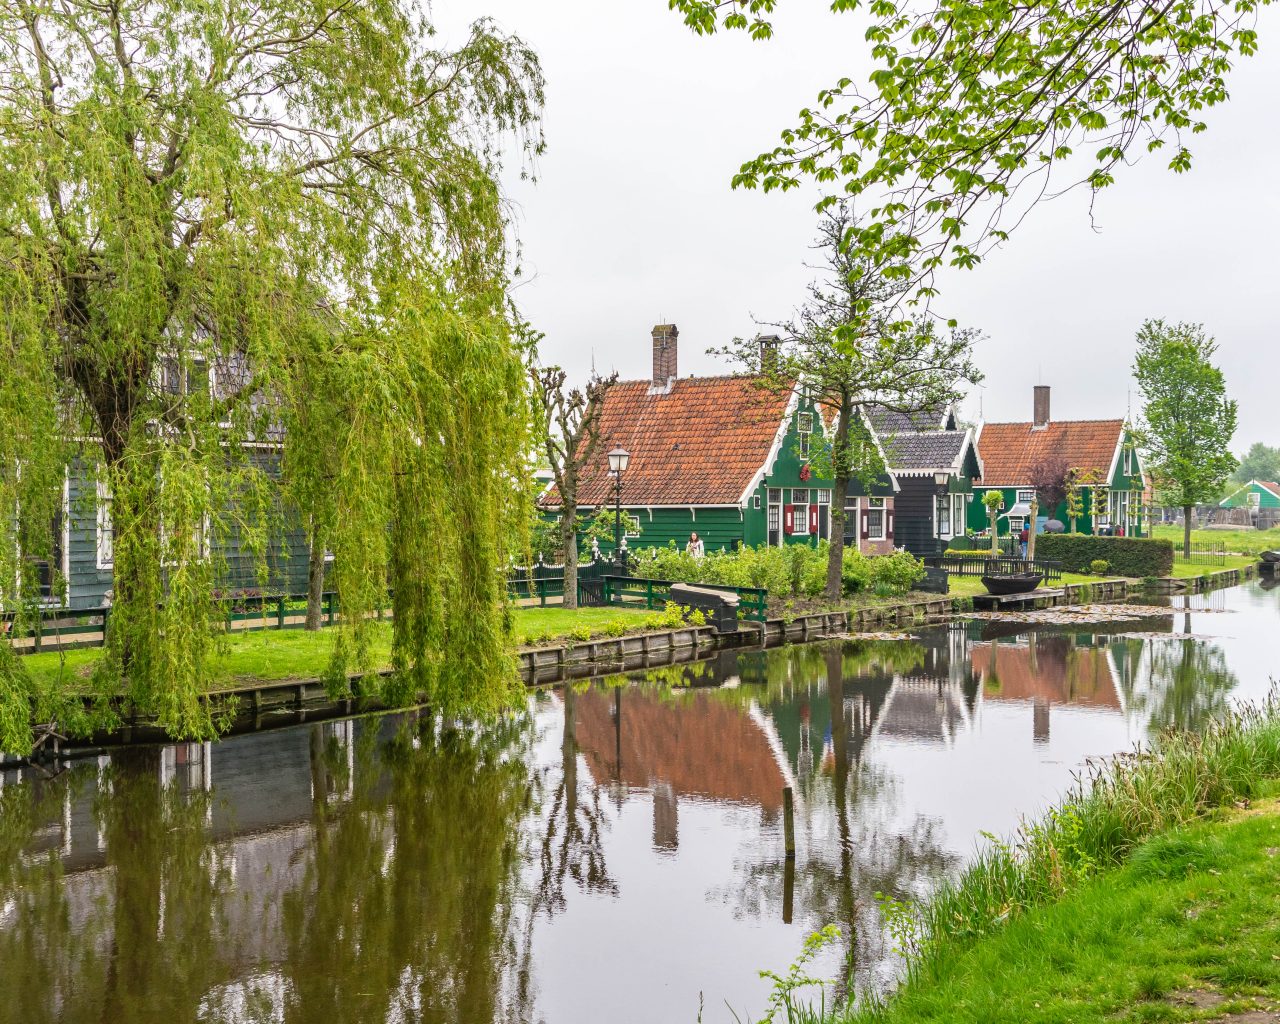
(1011, 451)
(1274, 488)
(699, 444)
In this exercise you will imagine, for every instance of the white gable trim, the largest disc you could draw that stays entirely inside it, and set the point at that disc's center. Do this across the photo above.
(780, 435)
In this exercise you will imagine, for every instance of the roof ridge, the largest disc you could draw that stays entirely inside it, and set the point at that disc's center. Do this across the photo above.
(1051, 423)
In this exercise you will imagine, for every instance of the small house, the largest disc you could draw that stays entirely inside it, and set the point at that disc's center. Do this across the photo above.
(1100, 454)
(935, 463)
(1256, 494)
(723, 456)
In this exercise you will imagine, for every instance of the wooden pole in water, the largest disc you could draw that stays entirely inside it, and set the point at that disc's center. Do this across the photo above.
(788, 824)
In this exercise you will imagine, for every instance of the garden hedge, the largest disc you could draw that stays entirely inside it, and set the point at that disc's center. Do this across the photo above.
(1125, 556)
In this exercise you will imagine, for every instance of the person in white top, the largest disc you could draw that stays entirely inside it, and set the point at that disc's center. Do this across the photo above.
(695, 546)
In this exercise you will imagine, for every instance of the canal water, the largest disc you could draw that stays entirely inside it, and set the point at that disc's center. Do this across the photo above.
(613, 854)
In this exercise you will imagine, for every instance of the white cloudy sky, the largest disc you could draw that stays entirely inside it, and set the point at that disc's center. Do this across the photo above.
(632, 221)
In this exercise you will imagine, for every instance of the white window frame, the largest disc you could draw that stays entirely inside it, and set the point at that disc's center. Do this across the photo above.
(942, 506)
(804, 446)
(804, 422)
(800, 501)
(959, 520)
(755, 501)
(104, 538)
(824, 496)
(800, 519)
(874, 506)
(1026, 495)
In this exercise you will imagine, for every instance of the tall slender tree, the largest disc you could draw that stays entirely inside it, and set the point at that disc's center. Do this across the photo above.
(569, 433)
(1187, 419)
(850, 350)
(190, 195)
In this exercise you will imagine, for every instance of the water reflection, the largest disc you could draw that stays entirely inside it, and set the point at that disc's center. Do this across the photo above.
(614, 852)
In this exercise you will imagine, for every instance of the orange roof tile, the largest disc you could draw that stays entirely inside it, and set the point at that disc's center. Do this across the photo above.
(1274, 488)
(1059, 674)
(1011, 451)
(699, 444)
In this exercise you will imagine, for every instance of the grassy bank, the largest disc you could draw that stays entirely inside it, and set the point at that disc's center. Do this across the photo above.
(1245, 542)
(1187, 930)
(296, 654)
(1133, 887)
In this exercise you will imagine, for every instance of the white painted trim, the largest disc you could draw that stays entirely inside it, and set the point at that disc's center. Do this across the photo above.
(66, 531)
(780, 435)
(102, 518)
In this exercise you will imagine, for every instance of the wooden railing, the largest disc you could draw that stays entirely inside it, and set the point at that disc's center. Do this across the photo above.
(638, 592)
(981, 564)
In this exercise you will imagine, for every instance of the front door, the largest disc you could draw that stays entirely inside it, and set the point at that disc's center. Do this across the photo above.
(775, 517)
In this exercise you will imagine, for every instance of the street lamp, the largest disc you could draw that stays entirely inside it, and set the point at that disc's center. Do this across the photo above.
(618, 460)
(940, 479)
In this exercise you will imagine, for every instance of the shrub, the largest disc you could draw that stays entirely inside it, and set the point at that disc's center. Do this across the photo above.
(961, 544)
(1126, 556)
(856, 571)
(1099, 566)
(896, 573)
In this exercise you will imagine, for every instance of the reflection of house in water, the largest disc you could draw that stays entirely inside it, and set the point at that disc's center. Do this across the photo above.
(1046, 670)
(923, 709)
(690, 744)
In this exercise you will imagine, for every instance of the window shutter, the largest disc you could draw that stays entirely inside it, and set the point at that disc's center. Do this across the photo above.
(813, 519)
(788, 519)
(866, 524)
(888, 524)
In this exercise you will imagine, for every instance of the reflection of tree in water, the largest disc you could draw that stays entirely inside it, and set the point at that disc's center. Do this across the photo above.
(140, 942)
(838, 876)
(1185, 683)
(407, 898)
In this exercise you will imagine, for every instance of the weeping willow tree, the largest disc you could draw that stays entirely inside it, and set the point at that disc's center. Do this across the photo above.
(226, 224)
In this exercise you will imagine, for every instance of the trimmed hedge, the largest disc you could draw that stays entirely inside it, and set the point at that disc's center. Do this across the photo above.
(1137, 557)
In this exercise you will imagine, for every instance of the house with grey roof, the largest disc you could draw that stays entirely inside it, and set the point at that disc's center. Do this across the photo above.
(935, 462)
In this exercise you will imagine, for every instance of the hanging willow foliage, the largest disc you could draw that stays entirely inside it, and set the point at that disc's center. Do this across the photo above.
(226, 224)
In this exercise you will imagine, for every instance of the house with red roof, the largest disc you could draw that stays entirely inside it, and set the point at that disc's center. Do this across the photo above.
(725, 457)
(1103, 450)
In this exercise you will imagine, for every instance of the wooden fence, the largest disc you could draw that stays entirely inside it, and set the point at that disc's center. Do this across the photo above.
(978, 564)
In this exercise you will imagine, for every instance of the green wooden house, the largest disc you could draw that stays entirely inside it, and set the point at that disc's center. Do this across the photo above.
(720, 456)
(935, 464)
(1257, 494)
(1012, 452)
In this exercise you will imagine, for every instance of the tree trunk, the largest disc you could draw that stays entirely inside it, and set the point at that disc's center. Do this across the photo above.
(315, 581)
(835, 552)
(992, 515)
(569, 541)
(1031, 532)
(1186, 531)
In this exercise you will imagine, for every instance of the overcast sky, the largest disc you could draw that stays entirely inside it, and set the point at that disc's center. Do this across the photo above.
(632, 222)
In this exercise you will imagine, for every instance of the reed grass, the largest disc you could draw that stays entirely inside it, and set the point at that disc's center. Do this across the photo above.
(1115, 805)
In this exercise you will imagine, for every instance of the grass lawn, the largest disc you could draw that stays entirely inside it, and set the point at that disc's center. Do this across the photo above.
(968, 586)
(1188, 930)
(275, 654)
(1185, 570)
(1247, 542)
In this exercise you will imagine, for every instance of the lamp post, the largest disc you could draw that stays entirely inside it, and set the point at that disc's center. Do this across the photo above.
(940, 479)
(618, 460)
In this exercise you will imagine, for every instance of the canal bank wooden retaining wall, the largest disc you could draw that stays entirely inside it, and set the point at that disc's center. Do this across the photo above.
(291, 702)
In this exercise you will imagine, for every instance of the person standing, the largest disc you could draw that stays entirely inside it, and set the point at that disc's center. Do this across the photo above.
(695, 546)
(1023, 538)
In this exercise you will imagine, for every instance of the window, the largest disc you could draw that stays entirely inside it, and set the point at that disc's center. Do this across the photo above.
(942, 512)
(957, 514)
(804, 446)
(775, 520)
(875, 518)
(105, 530)
(824, 495)
(755, 501)
(1128, 461)
(1026, 497)
(799, 497)
(804, 422)
(775, 495)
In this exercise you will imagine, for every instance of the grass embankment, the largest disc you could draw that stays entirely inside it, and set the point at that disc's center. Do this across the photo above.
(968, 586)
(1145, 896)
(275, 654)
(1245, 542)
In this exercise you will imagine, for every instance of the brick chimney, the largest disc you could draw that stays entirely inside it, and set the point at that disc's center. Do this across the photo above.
(664, 354)
(768, 351)
(1040, 418)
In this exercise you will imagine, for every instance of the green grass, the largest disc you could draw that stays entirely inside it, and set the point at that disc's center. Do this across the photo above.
(1195, 913)
(1189, 570)
(1044, 926)
(296, 654)
(1247, 542)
